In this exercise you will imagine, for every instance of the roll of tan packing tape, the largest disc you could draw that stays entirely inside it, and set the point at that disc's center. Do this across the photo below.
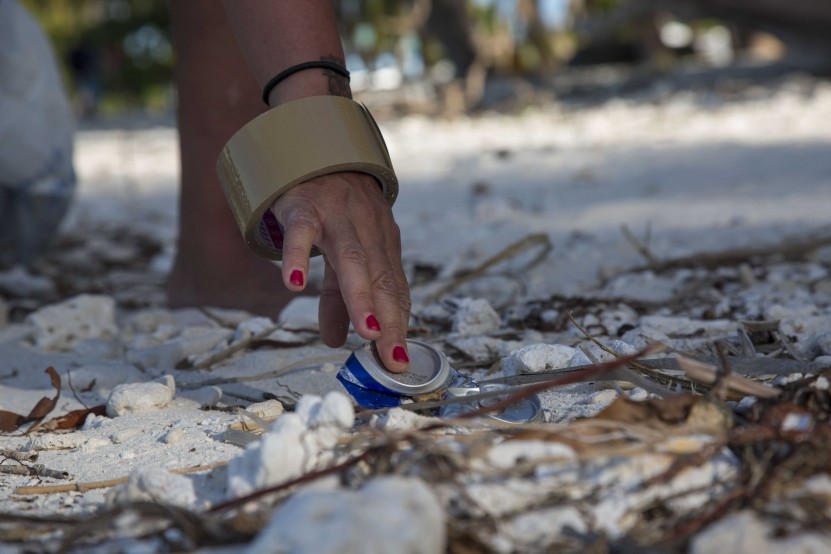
(289, 145)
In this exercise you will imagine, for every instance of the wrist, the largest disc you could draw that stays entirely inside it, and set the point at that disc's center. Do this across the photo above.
(290, 145)
(297, 87)
(313, 81)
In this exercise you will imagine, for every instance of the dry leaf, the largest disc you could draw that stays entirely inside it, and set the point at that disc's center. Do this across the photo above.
(673, 410)
(73, 419)
(685, 412)
(10, 421)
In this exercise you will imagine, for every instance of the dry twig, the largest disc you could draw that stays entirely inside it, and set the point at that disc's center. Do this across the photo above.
(640, 246)
(18, 456)
(91, 485)
(507, 253)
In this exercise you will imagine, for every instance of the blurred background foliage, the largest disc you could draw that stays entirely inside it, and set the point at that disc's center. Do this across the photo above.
(118, 54)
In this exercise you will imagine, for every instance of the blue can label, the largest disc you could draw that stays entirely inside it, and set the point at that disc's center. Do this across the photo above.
(366, 391)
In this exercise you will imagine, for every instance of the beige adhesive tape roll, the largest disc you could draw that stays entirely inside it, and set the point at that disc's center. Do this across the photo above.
(289, 145)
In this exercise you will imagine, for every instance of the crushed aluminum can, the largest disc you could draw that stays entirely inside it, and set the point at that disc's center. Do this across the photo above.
(527, 410)
(374, 386)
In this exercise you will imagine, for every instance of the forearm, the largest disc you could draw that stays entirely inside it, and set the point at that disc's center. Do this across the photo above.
(274, 35)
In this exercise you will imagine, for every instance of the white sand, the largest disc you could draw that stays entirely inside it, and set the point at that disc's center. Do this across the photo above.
(704, 177)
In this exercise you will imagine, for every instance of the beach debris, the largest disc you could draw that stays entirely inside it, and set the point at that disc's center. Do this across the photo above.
(141, 397)
(474, 317)
(10, 421)
(71, 420)
(398, 419)
(33, 470)
(92, 485)
(297, 442)
(268, 410)
(388, 514)
(66, 441)
(538, 357)
(368, 381)
(483, 350)
(155, 484)
(254, 422)
(60, 326)
(707, 374)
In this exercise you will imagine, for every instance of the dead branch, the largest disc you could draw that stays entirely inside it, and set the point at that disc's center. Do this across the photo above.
(18, 456)
(36, 470)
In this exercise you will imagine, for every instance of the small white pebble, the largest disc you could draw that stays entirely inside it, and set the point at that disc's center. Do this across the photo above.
(266, 409)
(174, 436)
(475, 317)
(329, 367)
(603, 397)
(638, 394)
(94, 422)
(821, 383)
(538, 357)
(623, 348)
(141, 397)
(127, 455)
(782, 380)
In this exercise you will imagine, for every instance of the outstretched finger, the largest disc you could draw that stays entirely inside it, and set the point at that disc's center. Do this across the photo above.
(301, 229)
(391, 296)
(348, 257)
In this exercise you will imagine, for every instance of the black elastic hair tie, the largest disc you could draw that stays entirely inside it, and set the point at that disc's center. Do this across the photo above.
(333, 66)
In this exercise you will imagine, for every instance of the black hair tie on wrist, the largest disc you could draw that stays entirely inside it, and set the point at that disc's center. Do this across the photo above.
(333, 66)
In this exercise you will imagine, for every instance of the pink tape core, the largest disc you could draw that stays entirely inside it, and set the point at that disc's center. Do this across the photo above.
(271, 232)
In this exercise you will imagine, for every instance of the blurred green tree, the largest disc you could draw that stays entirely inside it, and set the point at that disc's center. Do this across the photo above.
(117, 51)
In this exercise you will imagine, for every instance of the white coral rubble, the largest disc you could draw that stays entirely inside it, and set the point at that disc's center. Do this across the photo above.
(296, 443)
(389, 514)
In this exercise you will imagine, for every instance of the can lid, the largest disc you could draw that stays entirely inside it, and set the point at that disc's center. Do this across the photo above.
(428, 369)
(525, 410)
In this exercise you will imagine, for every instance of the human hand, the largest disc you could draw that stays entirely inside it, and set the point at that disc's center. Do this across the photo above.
(346, 216)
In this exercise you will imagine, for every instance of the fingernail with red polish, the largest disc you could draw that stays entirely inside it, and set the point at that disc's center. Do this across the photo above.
(400, 355)
(372, 323)
(296, 278)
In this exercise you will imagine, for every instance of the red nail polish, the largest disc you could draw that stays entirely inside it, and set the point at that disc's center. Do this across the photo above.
(400, 355)
(372, 323)
(296, 278)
